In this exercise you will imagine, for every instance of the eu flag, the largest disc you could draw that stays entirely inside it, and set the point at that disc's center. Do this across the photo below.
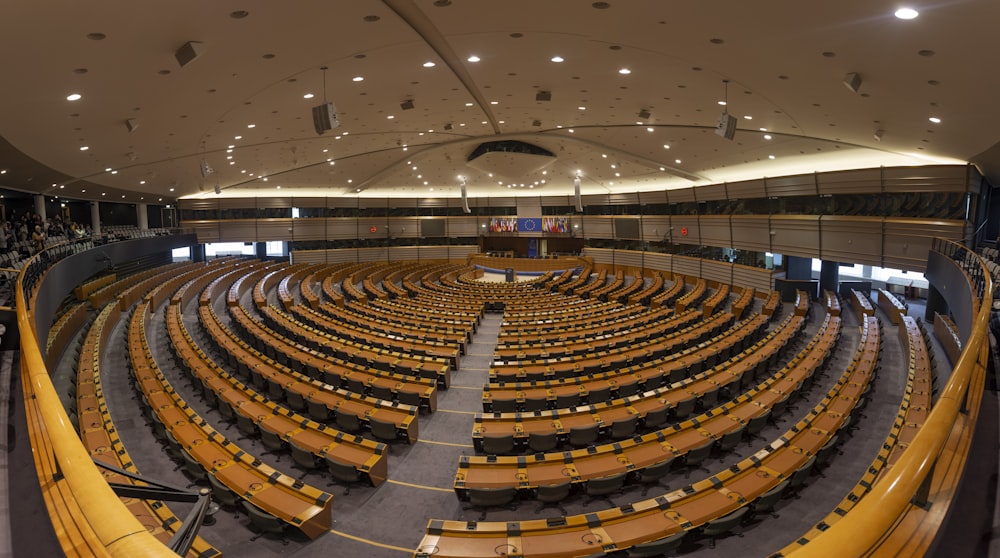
(529, 224)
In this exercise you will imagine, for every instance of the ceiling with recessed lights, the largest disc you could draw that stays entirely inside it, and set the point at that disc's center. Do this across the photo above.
(142, 101)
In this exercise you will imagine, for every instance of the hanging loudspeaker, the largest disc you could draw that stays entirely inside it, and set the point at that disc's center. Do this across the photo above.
(576, 194)
(465, 200)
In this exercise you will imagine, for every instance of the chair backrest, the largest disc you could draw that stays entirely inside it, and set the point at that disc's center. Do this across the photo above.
(542, 441)
(656, 417)
(766, 501)
(709, 398)
(605, 485)
(623, 428)
(583, 435)
(382, 430)
(488, 497)
(498, 445)
(625, 390)
(535, 404)
(757, 423)
(340, 471)
(301, 456)
(221, 493)
(567, 400)
(730, 440)
(348, 422)
(725, 523)
(504, 405)
(684, 407)
(551, 493)
(263, 520)
(599, 395)
(295, 400)
(800, 475)
(656, 471)
(658, 547)
(699, 454)
(382, 392)
(246, 425)
(318, 410)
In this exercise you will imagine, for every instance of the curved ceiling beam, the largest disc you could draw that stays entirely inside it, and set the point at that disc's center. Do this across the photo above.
(529, 136)
(419, 22)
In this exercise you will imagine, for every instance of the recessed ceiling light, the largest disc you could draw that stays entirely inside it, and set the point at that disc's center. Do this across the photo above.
(571, 130)
(494, 102)
(108, 169)
(84, 148)
(747, 117)
(123, 196)
(74, 97)
(3, 171)
(350, 180)
(770, 156)
(142, 182)
(678, 161)
(357, 78)
(557, 59)
(582, 108)
(468, 104)
(390, 117)
(308, 96)
(767, 136)
(762, 129)
(906, 13)
(238, 137)
(935, 119)
(473, 58)
(649, 129)
(251, 125)
(428, 64)
(665, 146)
(231, 147)
(723, 103)
(624, 71)
(114, 172)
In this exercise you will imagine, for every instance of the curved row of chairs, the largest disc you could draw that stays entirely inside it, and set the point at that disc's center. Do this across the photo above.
(710, 507)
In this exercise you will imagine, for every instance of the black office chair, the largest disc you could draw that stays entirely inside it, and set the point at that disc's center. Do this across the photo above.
(582, 436)
(302, 457)
(348, 422)
(532, 404)
(718, 528)
(696, 456)
(485, 498)
(342, 473)
(656, 417)
(685, 407)
(730, 440)
(540, 442)
(659, 547)
(650, 476)
(602, 487)
(318, 411)
(623, 428)
(553, 495)
(498, 444)
(264, 523)
(383, 430)
(766, 502)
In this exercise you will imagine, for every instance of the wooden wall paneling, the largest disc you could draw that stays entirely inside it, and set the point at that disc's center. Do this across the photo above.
(931, 178)
(795, 185)
(274, 201)
(655, 227)
(460, 253)
(308, 229)
(595, 199)
(653, 196)
(907, 241)
(365, 225)
(681, 195)
(851, 239)
(207, 231)
(629, 258)
(600, 255)
(720, 272)
(597, 226)
(238, 230)
(685, 265)
(656, 260)
(198, 204)
(623, 198)
(341, 228)
(404, 227)
(751, 232)
(715, 230)
(270, 229)
(746, 189)
(463, 226)
(401, 253)
(859, 181)
(690, 222)
(432, 252)
(380, 254)
(305, 201)
(711, 192)
(757, 278)
(795, 235)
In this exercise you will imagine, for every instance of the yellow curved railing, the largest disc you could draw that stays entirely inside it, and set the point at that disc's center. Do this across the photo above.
(104, 514)
(889, 506)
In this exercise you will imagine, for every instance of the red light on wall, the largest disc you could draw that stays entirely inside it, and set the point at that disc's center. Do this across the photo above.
(684, 231)
(373, 229)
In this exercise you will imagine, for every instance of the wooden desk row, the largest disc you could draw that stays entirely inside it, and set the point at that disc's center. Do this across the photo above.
(282, 381)
(862, 305)
(664, 392)
(570, 330)
(299, 505)
(831, 302)
(369, 458)
(743, 301)
(590, 313)
(892, 306)
(644, 295)
(100, 437)
(669, 296)
(772, 303)
(651, 355)
(692, 297)
(336, 331)
(682, 510)
(352, 365)
(715, 300)
(863, 486)
(568, 287)
(633, 337)
(918, 396)
(63, 331)
(947, 334)
(802, 303)
(424, 332)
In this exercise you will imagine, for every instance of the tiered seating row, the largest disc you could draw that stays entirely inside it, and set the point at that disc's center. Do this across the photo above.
(686, 510)
(100, 437)
(947, 334)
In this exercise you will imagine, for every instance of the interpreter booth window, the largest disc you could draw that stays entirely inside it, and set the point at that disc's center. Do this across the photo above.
(222, 249)
(181, 254)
